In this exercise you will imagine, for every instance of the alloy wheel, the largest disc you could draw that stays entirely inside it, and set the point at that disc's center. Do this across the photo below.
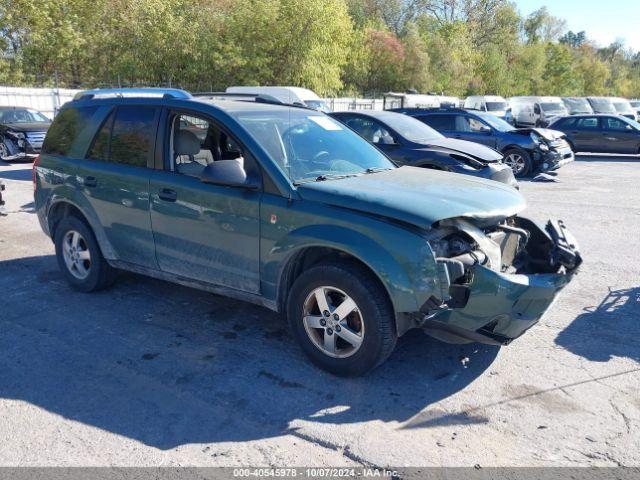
(333, 322)
(516, 162)
(77, 257)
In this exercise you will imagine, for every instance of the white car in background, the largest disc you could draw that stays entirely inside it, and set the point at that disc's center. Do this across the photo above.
(536, 111)
(292, 95)
(493, 104)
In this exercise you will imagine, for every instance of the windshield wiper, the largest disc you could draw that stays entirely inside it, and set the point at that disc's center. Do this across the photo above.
(322, 178)
(375, 170)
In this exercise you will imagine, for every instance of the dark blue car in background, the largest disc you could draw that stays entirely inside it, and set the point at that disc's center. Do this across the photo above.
(410, 142)
(526, 150)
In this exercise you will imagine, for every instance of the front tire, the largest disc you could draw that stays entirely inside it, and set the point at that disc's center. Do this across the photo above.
(79, 256)
(519, 161)
(342, 318)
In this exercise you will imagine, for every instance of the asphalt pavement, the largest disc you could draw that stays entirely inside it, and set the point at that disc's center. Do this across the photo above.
(150, 373)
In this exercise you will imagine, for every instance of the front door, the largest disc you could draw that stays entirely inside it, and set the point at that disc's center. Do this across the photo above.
(618, 136)
(204, 232)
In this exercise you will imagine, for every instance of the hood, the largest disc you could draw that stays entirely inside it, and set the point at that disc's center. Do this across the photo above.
(418, 196)
(546, 133)
(476, 150)
(29, 127)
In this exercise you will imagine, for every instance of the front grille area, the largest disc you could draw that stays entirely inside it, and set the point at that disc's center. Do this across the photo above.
(35, 137)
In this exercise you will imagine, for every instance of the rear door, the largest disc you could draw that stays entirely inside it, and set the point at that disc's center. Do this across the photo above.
(619, 136)
(586, 134)
(114, 177)
(204, 232)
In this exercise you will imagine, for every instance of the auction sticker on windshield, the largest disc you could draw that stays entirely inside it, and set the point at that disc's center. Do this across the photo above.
(325, 123)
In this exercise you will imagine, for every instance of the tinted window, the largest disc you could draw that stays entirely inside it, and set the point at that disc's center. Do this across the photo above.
(100, 148)
(564, 123)
(588, 123)
(439, 122)
(65, 129)
(133, 135)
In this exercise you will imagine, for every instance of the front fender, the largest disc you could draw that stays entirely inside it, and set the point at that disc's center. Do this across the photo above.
(405, 266)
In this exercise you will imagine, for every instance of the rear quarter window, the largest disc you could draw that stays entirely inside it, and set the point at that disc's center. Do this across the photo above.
(65, 129)
(133, 135)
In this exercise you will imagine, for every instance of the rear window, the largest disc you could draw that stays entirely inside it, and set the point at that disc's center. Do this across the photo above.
(127, 136)
(439, 122)
(65, 129)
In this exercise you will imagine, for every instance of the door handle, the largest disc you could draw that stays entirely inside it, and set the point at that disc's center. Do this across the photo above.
(90, 182)
(168, 195)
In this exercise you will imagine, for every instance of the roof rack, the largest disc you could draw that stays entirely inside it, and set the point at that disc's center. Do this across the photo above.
(249, 97)
(133, 92)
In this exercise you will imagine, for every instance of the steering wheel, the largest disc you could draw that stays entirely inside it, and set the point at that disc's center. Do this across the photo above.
(319, 155)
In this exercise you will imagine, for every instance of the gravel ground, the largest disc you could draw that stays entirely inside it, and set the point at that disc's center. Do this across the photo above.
(149, 373)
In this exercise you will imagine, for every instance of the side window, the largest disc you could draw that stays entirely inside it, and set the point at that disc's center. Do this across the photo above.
(439, 122)
(611, 123)
(588, 123)
(100, 148)
(565, 123)
(369, 130)
(133, 135)
(476, 125)
(196, 143)
(65, 128)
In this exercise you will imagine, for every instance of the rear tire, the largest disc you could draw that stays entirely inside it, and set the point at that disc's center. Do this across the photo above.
(362, 335)
(79, 256)
(519, 160)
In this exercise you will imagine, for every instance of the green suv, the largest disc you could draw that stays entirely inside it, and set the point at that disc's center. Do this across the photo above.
(285, 207)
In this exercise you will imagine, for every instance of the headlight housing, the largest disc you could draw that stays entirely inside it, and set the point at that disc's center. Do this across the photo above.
(15, 135)
(539, 142)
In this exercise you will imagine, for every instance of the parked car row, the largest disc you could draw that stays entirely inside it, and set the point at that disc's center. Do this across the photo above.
(291, 209)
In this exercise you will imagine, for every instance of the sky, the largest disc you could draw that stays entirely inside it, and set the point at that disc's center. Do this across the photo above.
(603, 21)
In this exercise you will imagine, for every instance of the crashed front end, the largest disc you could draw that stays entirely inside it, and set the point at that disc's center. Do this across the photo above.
(496, 281)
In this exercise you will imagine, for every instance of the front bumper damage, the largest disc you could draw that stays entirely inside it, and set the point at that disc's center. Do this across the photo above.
(555, 158)
(494, 305)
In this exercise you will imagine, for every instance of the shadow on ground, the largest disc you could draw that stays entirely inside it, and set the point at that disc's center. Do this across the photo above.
(608, 330)
(22, 174)
(167, 365)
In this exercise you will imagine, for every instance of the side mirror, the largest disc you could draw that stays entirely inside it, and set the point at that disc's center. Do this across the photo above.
(229, 173)
(486, 130)
(536, 110)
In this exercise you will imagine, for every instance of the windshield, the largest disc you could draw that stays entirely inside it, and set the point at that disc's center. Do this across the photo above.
(496, 106)
(410, 128)
(635, 104)
(633, 123)
(623, 107)
(22, 115)
(602, 106)
(552, 107)
(497, 123)
(309, 146)
(577, 105)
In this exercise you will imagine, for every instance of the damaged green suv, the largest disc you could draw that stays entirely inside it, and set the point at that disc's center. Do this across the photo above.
(287, 208)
